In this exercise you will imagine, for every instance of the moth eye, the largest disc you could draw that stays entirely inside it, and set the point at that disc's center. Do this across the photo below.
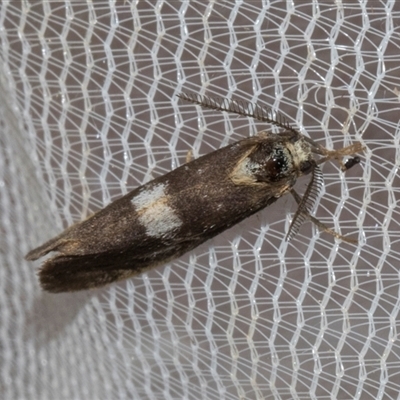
(306, 167)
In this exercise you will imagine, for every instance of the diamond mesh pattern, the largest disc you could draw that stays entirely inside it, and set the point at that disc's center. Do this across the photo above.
(88, 111)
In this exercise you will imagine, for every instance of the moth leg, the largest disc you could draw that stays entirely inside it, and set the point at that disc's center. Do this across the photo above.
(189, 156)
(350, 163)
(320, 225)
(337, 155)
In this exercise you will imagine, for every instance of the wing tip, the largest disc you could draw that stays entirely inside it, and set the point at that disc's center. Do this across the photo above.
(74, 273)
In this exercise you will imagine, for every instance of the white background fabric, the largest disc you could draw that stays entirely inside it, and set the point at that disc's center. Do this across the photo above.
(89, 111)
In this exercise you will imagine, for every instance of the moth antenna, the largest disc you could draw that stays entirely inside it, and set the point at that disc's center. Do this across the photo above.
(307, 203)
(322, 226)
(244, 109)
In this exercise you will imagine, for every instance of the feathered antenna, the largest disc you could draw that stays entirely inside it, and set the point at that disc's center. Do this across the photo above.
(245, 109)
(306, 205)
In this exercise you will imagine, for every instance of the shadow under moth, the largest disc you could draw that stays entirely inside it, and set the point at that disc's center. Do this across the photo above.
(174, 213)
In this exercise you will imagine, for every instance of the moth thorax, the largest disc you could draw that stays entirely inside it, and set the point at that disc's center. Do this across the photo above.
(273, 165)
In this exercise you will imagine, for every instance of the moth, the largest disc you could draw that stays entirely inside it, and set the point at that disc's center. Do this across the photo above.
(174, 213)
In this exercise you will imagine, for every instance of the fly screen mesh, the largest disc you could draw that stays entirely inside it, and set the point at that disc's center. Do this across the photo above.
(89, 111)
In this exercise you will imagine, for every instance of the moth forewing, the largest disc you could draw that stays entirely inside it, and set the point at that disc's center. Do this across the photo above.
(176, 212)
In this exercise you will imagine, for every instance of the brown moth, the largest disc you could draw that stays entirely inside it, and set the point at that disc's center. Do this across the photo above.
(174, 213)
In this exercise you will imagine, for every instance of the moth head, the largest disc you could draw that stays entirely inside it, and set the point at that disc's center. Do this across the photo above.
(282, 157)
(275, 159)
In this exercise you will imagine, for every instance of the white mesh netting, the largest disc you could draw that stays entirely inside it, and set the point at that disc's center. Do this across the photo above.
(89, 111)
